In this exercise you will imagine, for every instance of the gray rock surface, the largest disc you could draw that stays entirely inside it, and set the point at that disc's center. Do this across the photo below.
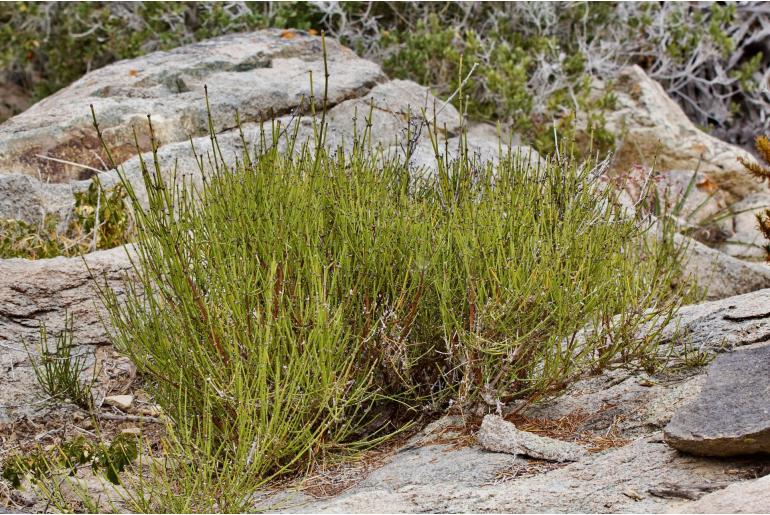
(744, 239)
(386, 107)
(26, 198)
(751, 496)
(623, 402)
(42, 291)
(271, 91)
(653, 129)
(644, 476)
(498, 435)
(731, 416)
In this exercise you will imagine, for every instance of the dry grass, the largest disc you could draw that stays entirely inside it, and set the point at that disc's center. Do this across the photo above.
(334, 475)
(570, 428)
(573, 428)
(527, 468)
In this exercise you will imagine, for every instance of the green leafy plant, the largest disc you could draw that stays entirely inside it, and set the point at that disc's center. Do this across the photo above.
(433, 51)
(22, 239)
(58, 371)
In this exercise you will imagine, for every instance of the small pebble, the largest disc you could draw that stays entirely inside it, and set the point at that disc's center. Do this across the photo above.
(119, 401)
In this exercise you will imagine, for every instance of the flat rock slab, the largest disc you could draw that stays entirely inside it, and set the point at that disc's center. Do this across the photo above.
(731, 416)
(746, 497)
(720, 275)
(498, 435)
(643, 477)
(722, 324)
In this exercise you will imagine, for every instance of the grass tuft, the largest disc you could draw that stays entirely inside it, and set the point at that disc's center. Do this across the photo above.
(308, 302)
(58, 372)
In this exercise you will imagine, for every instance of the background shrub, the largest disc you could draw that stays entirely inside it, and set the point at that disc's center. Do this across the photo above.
(536, 58)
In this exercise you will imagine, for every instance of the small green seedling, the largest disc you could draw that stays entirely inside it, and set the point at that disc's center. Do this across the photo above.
(58, 370)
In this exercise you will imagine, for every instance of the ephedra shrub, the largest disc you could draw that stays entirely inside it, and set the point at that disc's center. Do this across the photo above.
(285, 302)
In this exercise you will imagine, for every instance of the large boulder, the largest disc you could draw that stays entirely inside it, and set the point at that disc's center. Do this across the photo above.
(656, 131)
(261, 75)
(731, 416)
(389, 109)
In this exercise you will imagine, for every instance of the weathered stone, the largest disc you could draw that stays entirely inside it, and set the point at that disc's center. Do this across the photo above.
(262, 75)
(656, 130)
(43, 291)
(498, 435)
(123, 402)
(722, 324)
(751, 496)
(745, 241)
(386, 106)
(28, 199)
(731, 416)
(718, 274)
